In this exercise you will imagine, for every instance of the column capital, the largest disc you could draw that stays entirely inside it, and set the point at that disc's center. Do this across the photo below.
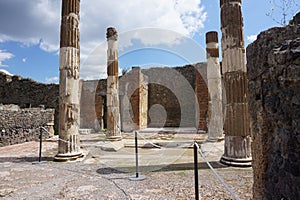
(111, 34)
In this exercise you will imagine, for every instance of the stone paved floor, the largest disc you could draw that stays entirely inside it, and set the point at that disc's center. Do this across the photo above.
(105, 175)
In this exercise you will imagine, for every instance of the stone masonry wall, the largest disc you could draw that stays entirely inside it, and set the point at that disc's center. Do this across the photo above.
(28, 93)
(274, 105)
(23, 125)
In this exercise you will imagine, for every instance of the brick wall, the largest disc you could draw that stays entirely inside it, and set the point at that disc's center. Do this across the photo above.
(202, 95)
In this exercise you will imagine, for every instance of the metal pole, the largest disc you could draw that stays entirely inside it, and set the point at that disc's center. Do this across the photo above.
(136, 156)
(41, 140)
(196, 171)
(137, 176)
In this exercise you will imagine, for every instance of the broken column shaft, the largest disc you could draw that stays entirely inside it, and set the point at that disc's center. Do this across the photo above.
(215, 125)
(68, 146)
(236, 128)
(113, 113)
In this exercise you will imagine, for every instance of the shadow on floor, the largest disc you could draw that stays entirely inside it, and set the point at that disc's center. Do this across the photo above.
(24, 159)
(160, 168)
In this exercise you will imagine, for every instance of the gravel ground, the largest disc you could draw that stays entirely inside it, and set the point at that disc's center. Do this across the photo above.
(20, 179)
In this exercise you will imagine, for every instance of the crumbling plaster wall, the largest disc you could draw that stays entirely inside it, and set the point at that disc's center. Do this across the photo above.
(273, 63)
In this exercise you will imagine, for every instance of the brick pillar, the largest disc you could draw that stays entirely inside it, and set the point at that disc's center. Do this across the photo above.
(113, 113)
(134, 101)
(237, 150)
(215, 125)
(69, 91)
(202, 97)
(139, 99)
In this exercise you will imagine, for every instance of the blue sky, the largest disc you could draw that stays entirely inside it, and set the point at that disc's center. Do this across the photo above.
(151, 33)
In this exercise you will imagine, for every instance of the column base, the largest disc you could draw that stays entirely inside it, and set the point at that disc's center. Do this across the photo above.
(236, 162)
(237, 151)
(114, 138)
(64, 157)
(215, 139)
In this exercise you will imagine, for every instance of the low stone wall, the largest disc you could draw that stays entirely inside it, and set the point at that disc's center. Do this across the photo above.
(27, 93)
(274, 106)
(23, 125)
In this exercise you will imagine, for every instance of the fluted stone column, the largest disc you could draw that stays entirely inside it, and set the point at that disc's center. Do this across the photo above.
(113, 113)
(68, 146)
(236, 128)
(215, 125)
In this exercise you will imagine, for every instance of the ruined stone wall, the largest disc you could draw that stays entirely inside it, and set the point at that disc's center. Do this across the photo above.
(172, 91)
(274, 105)
(23, 125)
(100, 102)
(165, 89)
(28, 93)
(88, 114)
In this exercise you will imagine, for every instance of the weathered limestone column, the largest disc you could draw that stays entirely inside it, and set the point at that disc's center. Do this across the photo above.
(113, 113)
(237, 150)
(215, 125)
(68, 146)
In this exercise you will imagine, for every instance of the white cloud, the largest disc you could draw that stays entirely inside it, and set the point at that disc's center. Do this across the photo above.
(31, 22)
(41, 22)
(251, 38)
(54, 79)
(6, 72)
(5, 56)
(24, 60)
(171, 20)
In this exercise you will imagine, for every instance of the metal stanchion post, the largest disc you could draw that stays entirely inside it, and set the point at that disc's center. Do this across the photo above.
(40, 148)
(136, 155)
(196, 171)
(137, 176)
(41, 142)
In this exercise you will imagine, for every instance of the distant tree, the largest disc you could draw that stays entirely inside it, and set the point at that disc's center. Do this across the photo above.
(284, 8)
(124, 71)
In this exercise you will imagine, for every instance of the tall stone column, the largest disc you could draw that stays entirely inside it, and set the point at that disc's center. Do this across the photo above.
(112, 95)
(237, 150)
(68, 146)
(215, 125)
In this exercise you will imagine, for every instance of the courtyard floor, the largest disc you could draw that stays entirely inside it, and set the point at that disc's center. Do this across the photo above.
(103, 174)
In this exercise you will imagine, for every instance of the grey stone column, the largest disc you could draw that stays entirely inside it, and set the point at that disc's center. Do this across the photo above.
(112, 95)
(68, 146)
(214, 82)
(237, 151)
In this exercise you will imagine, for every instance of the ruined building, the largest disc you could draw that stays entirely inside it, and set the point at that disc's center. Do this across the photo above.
(145, 94)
